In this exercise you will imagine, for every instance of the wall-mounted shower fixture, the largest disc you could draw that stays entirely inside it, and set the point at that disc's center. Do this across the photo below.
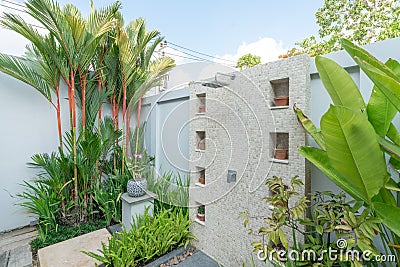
(215, 83)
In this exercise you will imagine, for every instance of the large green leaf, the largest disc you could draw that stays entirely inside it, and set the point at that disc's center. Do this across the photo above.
(391, 148)
(389, 86)
(320, 159)
(339, 84)
(380, 110)
(390, 216)
(310, 127)
(359, 54)
(353, 150)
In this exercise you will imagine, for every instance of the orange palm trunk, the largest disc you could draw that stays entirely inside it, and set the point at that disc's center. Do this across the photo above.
(58, 108)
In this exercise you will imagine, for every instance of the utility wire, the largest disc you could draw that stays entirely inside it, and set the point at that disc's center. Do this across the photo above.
(193, 57)
(13, 3)
(200, 53)
(200, 58)
(16, 9)
(24, 11)
(167, 53)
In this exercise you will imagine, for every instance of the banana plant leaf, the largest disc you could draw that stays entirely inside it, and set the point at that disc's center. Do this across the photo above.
(353, 150)
(359, 54)
(310, 127)
(390, 216)
(320, 159)
(380, 110)
(339, 84)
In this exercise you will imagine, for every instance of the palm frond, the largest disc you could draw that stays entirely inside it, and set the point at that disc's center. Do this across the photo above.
(20, 69)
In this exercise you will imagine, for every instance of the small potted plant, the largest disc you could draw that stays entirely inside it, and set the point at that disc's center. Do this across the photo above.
(202, 144)
(202, 180)
(280, 152)
(202, 108)
(201, 213)
(137, 186)
(281, 101)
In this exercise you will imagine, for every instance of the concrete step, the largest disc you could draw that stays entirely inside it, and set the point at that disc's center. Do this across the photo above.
(68, 253)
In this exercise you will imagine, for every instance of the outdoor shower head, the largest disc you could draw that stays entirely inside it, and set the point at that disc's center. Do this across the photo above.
(216, 83)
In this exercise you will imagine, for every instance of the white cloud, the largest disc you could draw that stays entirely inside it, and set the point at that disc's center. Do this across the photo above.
(267, 48)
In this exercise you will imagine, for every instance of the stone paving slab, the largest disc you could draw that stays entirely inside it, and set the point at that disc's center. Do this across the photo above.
(4, 258)
(68, 253)
(199, 259)
(20, 257)
(17, 257)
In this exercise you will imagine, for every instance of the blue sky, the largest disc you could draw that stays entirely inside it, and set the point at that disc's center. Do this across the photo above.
(220, 28)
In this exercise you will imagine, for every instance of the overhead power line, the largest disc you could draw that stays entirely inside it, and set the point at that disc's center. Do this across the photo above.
(191, 56)
(172, 54)
(200, 53)
(13, 8)
(200, 58)
(16, 4)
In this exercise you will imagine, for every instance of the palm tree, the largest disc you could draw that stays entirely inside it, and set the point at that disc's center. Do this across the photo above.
(150, 72)
(79, 40)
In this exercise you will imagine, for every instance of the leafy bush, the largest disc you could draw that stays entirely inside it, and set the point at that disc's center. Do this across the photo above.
(150, 237)
(66, 232)
(332, 218)
(172, 191)
(50, 196)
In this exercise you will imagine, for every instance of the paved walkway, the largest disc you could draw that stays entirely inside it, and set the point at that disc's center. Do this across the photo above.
(15, 250)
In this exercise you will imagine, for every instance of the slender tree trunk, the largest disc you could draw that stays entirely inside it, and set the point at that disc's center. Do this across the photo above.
(83, 83)
(98, 131)
(115, 122)
(123, 121)
(99, 88)
(72, 75)
(138, 125)
(128, 129)
(70, 105)
(58, 108)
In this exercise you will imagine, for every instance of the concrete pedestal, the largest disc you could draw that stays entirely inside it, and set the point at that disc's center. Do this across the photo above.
(132, 206)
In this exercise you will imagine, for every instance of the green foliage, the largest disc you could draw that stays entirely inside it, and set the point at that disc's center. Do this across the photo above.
(354, 139)
(150, 237)
(172, 191)
(66, 232)
(362, 22)
(49, 195)
(331, 218)
(248, 61)
(108, 197)
(43, 202)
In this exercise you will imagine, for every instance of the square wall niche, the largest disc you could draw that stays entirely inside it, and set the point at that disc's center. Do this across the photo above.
(201, 140)
(280, 92)
(201, 214)
(279, 145)
(201, 103)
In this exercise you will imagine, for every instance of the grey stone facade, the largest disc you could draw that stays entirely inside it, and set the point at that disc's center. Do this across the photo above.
(242, 127)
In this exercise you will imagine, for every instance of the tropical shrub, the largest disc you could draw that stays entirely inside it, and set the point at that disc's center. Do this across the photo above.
(332, 218)
(172, 191)
(150, 237)
(99, 59)
(355, 138)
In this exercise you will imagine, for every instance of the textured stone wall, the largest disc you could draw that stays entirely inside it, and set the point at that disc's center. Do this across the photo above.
(239, 122)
